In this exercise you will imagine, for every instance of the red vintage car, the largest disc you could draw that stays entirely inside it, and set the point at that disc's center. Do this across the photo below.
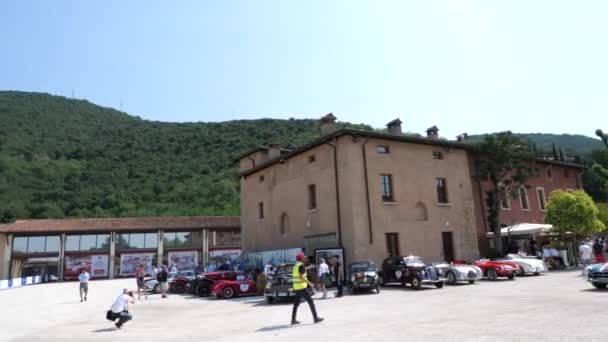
(494, 269)
(234, 288)
(201, 284)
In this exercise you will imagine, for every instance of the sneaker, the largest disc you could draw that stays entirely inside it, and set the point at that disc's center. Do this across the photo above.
(81, 300)
(294, 322)
(85, 299)
(118, 325)
(319, 319)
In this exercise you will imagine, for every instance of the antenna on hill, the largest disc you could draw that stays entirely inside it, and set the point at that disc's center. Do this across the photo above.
(121, 105)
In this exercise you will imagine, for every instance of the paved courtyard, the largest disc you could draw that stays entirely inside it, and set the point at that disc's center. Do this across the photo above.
(554, 307)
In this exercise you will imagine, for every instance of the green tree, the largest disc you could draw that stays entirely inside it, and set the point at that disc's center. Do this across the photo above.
(595, 182)
(561, 155)
(573, 212)
(603, 214)
(602, 136)
(555, 155)
(506, 164)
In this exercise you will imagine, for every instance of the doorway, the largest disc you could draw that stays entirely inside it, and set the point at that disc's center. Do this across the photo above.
(448, 246)
(392, 244)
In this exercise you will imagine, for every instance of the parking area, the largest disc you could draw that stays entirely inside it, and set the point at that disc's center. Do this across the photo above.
(558, 306)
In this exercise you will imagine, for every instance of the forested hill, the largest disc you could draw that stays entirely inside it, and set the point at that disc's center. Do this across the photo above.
(62, 157)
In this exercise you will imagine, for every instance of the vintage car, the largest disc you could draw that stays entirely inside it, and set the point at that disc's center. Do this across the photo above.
(201, 284)
(179, 283)
(494, 269)
(363, 275)
(460, 273)
(410, 270)
(526, 265)
(597, 275)
(234, 288)
(279, 283)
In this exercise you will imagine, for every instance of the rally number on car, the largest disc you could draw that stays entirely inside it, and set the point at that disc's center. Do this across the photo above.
(244, 287)
(398, 274)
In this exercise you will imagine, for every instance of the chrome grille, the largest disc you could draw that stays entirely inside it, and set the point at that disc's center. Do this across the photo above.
(598, 275)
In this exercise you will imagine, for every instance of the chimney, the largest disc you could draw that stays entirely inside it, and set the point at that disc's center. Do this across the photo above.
(462, 138)
(432, 133)
(274, 151)
(394, 127)
(328, 124)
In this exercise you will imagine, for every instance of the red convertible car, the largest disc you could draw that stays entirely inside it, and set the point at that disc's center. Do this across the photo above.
(494, 269)
(234, 288)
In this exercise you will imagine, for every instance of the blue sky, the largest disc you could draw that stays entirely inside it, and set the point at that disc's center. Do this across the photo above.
(465, 66)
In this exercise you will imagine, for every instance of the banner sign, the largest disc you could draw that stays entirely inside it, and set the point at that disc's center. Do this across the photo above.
(130, 262)
(96, 265)
(226, 253)
(183, 260)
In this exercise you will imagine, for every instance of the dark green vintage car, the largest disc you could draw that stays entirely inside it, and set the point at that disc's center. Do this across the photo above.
(363, 276)
(279, 283)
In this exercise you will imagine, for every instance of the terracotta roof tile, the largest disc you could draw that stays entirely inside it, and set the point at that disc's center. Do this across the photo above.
(120, 224)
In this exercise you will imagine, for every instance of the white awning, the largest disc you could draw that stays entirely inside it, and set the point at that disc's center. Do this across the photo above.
(526, 229)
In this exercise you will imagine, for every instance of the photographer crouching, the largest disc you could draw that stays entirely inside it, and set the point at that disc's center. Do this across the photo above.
(120, 308)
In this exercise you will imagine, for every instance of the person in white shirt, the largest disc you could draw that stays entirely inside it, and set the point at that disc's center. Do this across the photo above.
(323, 274)
(84, 277)
(584, 252)
(173, 271)
(268, 268)
(120, 308)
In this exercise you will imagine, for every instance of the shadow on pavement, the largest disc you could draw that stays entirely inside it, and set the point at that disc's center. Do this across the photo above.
(279, 327)
(104, 330)
(595, 290)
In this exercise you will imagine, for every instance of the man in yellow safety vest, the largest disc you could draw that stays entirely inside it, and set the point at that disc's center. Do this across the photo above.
(300, 288)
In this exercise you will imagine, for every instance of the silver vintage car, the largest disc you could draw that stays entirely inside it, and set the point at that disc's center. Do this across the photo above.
(460, 273)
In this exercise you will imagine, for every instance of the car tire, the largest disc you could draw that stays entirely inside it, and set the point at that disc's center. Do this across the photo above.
(269, 300)
(471, 281)
(521, 272)
(492, 275)
(451, 278)
(511, 276)
(599, 285)
(179, 288)
(227, 292)
(381, 280)
(377, 289)
(439, 285)
(537, 273)
(416, 282)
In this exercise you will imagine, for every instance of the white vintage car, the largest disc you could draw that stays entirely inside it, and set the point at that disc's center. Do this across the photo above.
(526, 265)
(456, 273)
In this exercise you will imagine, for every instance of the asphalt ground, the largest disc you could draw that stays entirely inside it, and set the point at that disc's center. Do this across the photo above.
(558, 306)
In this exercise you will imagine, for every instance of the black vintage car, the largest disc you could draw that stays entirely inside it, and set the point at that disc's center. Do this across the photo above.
(410, 270)
(279, 283)
(363, 275)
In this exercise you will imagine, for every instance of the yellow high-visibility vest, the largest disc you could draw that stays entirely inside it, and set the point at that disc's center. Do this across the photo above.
(298, 284)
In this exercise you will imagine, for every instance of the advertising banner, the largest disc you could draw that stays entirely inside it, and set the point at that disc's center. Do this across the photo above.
(96, 265)
(183, 260)
(225, 253)
(130, 262)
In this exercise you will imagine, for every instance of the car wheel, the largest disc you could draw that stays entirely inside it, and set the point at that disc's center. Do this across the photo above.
(439, 284)
(377, 289)
(228, 292)
(416, 282)
(451, 278)
(202, 290)
(599, 285)
(269, 300)
(536, 273)
(179, 288)
(492, 275)
(520, 271)
(156, 288)
(511, 276)
(471, 281)
(381, 280)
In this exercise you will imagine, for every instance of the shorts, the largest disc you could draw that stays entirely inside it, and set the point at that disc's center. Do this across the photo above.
(324, 279)
(140, 283)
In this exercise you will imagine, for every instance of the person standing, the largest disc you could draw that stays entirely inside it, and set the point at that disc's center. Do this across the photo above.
(268, 268)
(584, 252)
(173, 271)
(83, 278)
(140, 273)
(323, 277)
(598, 251)
(162, 278)
(120, 308)
(338, 275)
(300, 287)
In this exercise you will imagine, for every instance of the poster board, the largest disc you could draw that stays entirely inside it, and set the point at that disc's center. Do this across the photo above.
(130, 261)
(96, 265)
(183, 260)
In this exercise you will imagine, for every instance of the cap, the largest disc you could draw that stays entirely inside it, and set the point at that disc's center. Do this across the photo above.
(300, 256)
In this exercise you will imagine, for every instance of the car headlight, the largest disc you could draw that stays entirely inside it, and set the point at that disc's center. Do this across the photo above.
(423, 272)
(268, 286)
(440, 271)
(352, 279)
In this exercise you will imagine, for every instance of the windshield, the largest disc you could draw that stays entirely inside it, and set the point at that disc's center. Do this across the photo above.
(362, 267)
(185, 273)
(285, 270)
(413, 261)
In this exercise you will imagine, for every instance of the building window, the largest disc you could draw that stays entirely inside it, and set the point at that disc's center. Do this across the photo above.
(383, 149)
(261, 178)
(227, 238)
(284, 228)
(312, 158)
(523, 198)
(386, 186)
(182, 239)
(35, 244)
(505, 204)
(442, 190)
(542, 201)
(437, 155)
(137, 241)
(261, 210)
(312, 197)
(87, 242)
(392, 244)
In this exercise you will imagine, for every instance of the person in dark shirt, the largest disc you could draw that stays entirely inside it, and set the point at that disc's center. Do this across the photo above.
(336, 269)
(162, 278)
(598, 251)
